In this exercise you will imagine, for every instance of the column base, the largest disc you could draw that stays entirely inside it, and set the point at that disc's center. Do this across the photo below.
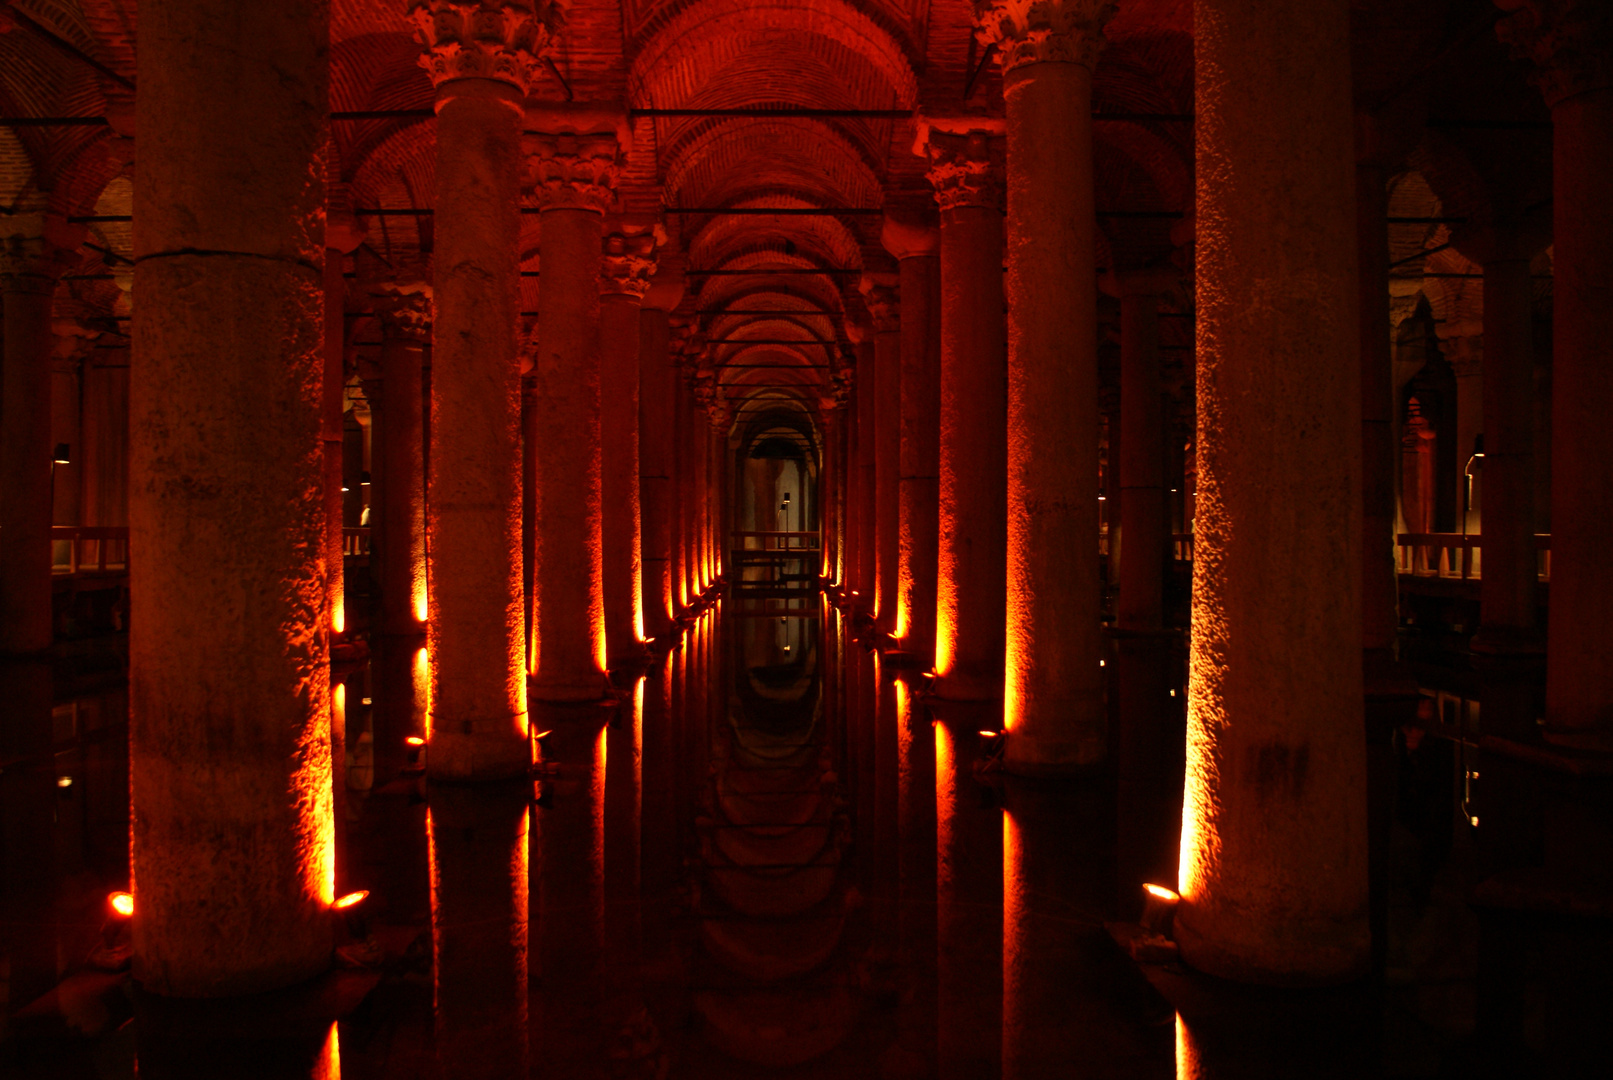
(1302, 958)
(592, 690)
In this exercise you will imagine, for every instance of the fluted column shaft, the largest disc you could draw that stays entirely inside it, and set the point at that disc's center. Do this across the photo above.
(1274, 838)
(231, 834)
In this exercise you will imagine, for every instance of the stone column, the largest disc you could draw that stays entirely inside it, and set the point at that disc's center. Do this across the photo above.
(481, 68)
(1571, 41)
(34, 252)
(342, 236)
(1053, 690)
(658, 389)
(627, 263)
(865, 583)
(1463, 346)
(1507, 591)
(1274, 835)
(973, 531)
(882, 294)
(916, 251)
(575, 180)
(398, 486)
(681, 479)
(74, 343)
(231, 838)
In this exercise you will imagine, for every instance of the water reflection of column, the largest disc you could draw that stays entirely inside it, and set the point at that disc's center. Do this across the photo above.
(27, 809)
(478, 853)
(658, 858)
(624, 795)
(886, 803)
(571, 923)
(862, 701)
(968, 880)
(1061, 970)
(915, 852)
(191, 1039)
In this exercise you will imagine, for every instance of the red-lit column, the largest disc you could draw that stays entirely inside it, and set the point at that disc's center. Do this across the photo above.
(398, 530)
(865, 583)
(1053, 688)
(342, 236)
(478, 687)
(1274, 836)
(231, 838)
(915, 249)
(627, 263)
(1572, 43)
(850, 508)
(882, 294)
(658, 390)
(970, 582)
(34, 252)
(574, 184)
(828, 489)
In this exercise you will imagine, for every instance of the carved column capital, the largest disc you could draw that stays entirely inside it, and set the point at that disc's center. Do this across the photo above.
(405, 308)
(573, 172)
(627, 264)
(884, 299)
(31, 262)
(962, 170)
(1569, 42)
(501, 40)
(1043, 31)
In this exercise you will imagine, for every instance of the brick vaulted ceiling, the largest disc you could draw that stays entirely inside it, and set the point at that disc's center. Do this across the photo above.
(76, 58)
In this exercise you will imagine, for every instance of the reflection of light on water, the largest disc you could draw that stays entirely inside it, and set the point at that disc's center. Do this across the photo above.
(1187, 1054)
(422, 688)
(945, 800)
(330, 1057)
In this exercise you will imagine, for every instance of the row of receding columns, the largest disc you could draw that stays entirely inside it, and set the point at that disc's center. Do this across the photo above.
(236, 454)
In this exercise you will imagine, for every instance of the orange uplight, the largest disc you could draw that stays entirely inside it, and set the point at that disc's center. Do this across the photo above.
(350, 899)
(985, 734)
(543, 734)
(122, 903)
(1160, 892)
(415, 740)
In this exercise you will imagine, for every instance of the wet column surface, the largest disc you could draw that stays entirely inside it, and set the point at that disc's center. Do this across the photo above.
(479, 722)
(627, 264)
(1274, 840)
(916, 250)
(882, 293)
(658, 388)
(1053, 690)
(230, 734)
(574, 180)
(970, 581)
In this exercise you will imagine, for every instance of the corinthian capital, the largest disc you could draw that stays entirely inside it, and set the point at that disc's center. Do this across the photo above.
(962, 171)
(1038, 31)
(405, 308)
(1569, 42)
(31, 263)
(573, 172)
(503, 40)
(627, 264)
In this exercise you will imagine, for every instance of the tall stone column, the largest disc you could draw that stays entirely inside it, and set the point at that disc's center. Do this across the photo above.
(865, 584)
(681, 479)
(575, 180)
(916, 250)
(882, 294)
(1463, 345)
(342, 236)
(1053, 687)
(398, 530)
(73, 344)
(231, 837)
(1274, 835)
(658, 389)
(481, 67)
(973, 531)
(627, 263)
(1507, 591)
(1571, 41)
(34, 252)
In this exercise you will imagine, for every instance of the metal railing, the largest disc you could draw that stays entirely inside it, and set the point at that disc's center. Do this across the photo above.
(356, 542)
(775, 541)
(89, 550)
(1456, 556)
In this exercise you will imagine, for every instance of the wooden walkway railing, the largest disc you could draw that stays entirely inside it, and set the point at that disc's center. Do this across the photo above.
(774, 563)
(89, 550)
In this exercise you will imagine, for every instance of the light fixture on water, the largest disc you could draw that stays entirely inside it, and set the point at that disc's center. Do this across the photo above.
(64, 782)
(414, 740)
(351, 899)
(122, 903)
(1160, 909)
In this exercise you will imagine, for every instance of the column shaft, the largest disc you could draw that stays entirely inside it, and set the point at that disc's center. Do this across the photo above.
(658, 391)
(867, 581)
(478, 687)
(1274, 837)
(331, 438)
(920, 456)
(1142, 465)
(402, 496)
(620, 522)
(229, 697)
(25, 463)
(887, 463)
(1053, 692)
(1380, 617)
(1509, 574)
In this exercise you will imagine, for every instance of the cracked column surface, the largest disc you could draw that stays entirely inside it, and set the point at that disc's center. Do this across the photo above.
(230, 758)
